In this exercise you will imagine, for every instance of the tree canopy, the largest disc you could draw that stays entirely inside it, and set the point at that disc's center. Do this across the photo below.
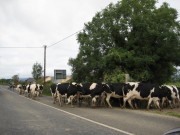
(15, 79)
(37, 71)
(133, 37)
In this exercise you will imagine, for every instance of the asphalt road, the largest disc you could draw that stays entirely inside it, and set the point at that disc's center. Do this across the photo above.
(20, 115)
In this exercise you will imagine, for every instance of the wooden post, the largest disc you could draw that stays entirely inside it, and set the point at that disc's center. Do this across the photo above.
(44, 64)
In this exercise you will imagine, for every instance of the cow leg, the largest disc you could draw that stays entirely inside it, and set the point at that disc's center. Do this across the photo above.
(21, 92)
(174, 103)
(163, 100)
(136, 103)
(124, 104)
(170, 103)
(157, 104)
(31, 95)
(130, 103)
(107, 100)
(59, 99)
(149, 103)
(79, 100)
(70, 100)
(54, 98)
(103, 96)
(178, 102)
(98, 100)
(89, 99)
(94, 101)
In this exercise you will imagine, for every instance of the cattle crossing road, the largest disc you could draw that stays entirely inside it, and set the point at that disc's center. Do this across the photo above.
(20, 115)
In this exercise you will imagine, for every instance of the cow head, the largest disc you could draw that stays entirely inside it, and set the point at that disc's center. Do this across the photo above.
(106, 88)
(128, 87)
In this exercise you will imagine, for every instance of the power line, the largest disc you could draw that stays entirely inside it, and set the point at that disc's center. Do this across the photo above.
(64, 38)
(8, 47)
(20, 47)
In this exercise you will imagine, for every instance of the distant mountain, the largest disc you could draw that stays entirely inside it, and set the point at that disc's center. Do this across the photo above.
(23, 79)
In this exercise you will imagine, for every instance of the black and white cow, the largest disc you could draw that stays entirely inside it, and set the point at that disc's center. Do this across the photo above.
(32, 90)
(95, 91)
(143, 91)
(19, 89)
(69, 91)
(172, 95)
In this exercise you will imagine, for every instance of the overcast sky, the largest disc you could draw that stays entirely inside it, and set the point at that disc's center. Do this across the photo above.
(35, 23)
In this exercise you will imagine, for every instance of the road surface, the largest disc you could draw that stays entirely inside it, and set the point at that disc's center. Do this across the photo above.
(20, 115)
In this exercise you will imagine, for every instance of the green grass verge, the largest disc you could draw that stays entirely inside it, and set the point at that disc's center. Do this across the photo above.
(175, 114)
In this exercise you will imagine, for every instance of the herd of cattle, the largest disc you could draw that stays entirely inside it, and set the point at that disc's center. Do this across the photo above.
(94, 93)
(30, 90)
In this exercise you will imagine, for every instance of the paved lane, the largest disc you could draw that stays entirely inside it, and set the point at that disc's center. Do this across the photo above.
(19, 116)
(134, 121)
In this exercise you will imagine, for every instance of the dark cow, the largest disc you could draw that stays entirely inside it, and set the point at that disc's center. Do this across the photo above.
(61, 91)
(116, 92)
(23, 88)
(74, 89)
(40, 88)
(53, 92)
(68, 90)
(85, 95)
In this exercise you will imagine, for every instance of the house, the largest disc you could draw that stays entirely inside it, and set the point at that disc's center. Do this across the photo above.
(30, 80)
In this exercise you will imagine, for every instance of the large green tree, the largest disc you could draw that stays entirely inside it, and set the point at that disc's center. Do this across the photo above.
(132, 36)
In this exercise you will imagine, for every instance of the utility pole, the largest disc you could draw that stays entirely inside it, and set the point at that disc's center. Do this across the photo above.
(45, 63)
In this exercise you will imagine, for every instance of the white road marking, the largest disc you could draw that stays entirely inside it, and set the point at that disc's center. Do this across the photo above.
(86, 119)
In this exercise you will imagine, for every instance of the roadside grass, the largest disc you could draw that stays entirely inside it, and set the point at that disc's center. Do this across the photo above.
(46, 90)
(167, 112)
(175, 114)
